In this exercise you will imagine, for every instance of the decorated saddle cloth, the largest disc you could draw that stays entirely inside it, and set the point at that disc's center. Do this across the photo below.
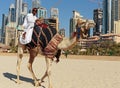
(48, 39)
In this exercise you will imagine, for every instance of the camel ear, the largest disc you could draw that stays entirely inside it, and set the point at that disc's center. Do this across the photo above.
(92, 25)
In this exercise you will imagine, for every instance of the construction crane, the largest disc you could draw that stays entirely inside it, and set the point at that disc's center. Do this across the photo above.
(98, 2)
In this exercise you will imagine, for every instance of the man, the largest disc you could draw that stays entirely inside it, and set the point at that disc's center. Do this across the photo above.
(28, 26)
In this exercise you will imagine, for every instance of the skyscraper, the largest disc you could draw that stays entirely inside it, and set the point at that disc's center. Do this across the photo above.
(107, 16)
(117, 17)
(24, 8)
(118, 9)
(54, 13)
(98, 17)
(23, 13)
(11, 15)
(73, 22)
(111, 13)
(4, 23)
(42, 12)
(18, 7)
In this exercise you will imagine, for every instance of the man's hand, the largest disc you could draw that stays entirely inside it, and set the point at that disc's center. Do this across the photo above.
(24, 34)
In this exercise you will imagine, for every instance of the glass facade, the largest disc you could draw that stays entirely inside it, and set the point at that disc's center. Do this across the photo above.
(107, 16)
(110, 15)
(12, 15)
(4, 22)
(54, 13)
(98, 19)
(25, 8)
(42, 12)
(18, 7)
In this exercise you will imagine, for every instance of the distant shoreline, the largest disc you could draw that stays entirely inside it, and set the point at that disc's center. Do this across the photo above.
(84, 57)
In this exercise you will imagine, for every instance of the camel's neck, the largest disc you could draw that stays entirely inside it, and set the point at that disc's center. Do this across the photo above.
(67, 43)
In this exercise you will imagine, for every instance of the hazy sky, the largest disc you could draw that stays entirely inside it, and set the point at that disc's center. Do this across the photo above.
(84, 7)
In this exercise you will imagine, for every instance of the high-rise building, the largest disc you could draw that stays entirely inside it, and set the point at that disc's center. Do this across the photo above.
(14, 19)
(35, 3)
(18, 7)
(24, 8)
(115, 10)
(52, 22)
(117, 21)
(21, 11)
(0, 34)
(117, 27)
(98, 19)
(23, 14)
(11, 15)
(118, 9)
(42, 12)
(4, 23)
(11, 34)
(73, 22)
(54, 13)
(111, 13)
(107, 16)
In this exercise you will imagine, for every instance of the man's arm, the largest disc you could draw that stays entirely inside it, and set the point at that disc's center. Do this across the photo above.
(25, 23)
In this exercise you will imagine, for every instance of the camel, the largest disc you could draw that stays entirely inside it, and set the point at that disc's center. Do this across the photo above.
(63, 44)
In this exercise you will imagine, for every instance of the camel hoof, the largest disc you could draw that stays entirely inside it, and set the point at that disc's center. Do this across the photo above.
(17, 81)
(42, 81)
(37, 83)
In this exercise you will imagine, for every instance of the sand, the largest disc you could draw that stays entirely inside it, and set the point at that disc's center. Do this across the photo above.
(71, 72)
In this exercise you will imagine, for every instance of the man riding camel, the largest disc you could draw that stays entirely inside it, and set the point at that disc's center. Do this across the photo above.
(28, 26)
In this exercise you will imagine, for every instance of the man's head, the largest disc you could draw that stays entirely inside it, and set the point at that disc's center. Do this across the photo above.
(34, 11)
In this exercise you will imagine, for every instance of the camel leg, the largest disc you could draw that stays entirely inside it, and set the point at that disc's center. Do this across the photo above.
(57, 56)
(44, 76)
(33, 54)
(20, 55)
(48, 71)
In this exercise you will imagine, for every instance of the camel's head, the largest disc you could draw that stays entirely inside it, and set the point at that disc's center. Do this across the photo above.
(90, 23)
(85, 23)
(82, 27)
(80, 21)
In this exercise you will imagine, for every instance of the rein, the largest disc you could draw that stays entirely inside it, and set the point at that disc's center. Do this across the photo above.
(39, 37)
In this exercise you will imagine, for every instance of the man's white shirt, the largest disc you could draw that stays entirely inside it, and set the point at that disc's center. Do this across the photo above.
(28, 28)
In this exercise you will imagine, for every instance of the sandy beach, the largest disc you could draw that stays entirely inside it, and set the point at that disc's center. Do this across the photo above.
(71, 72)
